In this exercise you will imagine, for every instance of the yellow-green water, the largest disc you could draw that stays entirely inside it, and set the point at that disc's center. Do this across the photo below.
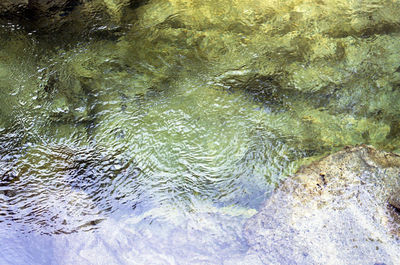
(180, 117)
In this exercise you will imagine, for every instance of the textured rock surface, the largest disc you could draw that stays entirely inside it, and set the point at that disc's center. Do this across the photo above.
(340, 210)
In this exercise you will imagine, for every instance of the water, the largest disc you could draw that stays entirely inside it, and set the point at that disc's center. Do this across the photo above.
(149, 134)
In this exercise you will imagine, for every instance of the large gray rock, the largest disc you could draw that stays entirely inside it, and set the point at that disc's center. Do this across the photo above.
(342, 209)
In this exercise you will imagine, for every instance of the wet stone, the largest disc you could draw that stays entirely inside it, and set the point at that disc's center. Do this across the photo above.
(334, 210)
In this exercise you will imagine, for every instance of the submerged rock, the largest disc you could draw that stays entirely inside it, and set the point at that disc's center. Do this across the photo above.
(342, 209)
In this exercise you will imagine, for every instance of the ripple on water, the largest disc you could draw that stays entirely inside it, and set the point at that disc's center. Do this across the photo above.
(59, 189)
(198, 140)
(193, 142)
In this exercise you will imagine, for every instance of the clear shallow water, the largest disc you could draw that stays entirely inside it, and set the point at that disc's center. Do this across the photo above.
(165, 177)
(152, 135)
(204, 237)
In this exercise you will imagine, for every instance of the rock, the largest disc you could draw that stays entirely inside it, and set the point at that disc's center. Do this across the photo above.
(339, 210)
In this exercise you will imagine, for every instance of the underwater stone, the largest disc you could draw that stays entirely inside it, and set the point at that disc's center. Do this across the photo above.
(335, 210)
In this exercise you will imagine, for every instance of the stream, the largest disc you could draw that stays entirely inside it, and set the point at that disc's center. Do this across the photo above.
(151, 133)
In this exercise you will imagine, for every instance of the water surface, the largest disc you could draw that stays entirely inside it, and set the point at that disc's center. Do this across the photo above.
(150, 134)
